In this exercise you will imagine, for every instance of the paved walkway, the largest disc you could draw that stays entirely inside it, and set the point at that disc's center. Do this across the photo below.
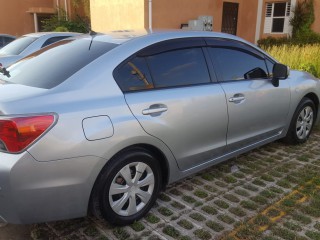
(270, 193)
(15, 232)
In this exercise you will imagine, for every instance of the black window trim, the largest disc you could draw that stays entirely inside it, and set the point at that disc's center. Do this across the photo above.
(231, 43)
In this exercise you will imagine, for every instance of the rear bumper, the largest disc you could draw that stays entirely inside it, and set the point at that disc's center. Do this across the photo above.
(32, 191)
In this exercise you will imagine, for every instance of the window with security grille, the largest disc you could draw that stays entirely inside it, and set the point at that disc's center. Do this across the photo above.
(277, 17)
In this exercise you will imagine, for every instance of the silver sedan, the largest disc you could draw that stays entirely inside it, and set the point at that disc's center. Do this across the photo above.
(102, 123)
(28, 44)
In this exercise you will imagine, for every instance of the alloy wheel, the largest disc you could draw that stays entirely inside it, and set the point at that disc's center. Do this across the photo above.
(304, 122)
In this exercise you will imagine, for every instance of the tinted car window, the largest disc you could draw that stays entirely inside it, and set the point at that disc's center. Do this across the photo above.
(133, 75)
(178, 68)
(1, 42)
(53, 40)
(238, 65)
(17, 46)
(52, 65)
(7, 40)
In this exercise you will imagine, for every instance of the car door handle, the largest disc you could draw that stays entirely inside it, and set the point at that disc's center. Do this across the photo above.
(237, 98)
(151, 110)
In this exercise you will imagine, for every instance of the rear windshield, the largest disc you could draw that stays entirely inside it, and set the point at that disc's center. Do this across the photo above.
(54, 64)
(17, 46)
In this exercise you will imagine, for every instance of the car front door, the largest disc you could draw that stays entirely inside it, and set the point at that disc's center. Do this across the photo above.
(169, 90)
(257, 109)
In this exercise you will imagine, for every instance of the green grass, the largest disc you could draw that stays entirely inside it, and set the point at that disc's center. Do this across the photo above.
(188, 199)
(292, 226)
(313, 235)
(242, 192)
(259, 199)
(268, 194)
(171, 231)
(225, 218)
(164, 197)
(217, 227)
(273, 213)
(121, 233)
(197, 216)
(207, 176)
(185, 224)
(91, 231)
(200, 194)
(202, 234)
(231, 198)
(165, 211)
(210, 188)
(261, 220)
(209, 210)
(178, 205)
(301, 218)
(221, 204)
(258, 182)
(237, 211)
(137, 226)
(306, 58)
(151, 218)
(249, 205)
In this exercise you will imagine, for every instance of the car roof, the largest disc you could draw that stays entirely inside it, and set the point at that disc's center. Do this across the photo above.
(123, 36)
(40, 34)
(6, 35)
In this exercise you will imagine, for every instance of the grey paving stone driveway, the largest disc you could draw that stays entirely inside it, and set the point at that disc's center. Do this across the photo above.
(270, 193)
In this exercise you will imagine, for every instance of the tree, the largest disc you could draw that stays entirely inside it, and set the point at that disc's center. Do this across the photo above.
(59, 22)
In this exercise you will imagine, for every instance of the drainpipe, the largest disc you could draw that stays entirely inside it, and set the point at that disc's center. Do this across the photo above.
(57, 5)
(66, 9)
(258, 22)
(293, 7)
(35, 19)
(150, 16)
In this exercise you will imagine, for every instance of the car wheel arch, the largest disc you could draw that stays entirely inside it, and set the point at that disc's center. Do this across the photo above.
(314, 98)
(154, 151)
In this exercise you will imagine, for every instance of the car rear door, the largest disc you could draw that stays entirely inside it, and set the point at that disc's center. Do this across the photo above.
(169, 90)
(257, 109)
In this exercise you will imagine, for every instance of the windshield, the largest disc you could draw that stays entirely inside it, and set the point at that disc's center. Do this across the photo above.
(17, 46)
(54, 64)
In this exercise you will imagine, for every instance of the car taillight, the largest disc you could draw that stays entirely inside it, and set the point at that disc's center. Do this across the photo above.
(18, 133)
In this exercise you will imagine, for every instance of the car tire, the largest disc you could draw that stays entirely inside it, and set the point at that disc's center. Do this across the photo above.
(127, 187)
(302, 122)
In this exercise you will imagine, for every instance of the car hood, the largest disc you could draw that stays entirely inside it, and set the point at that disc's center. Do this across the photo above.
(7, 60)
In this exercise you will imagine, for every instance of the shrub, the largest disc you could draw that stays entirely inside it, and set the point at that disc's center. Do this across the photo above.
(58, 22)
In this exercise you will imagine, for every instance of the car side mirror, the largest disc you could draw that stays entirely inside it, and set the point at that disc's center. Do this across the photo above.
(279, 72)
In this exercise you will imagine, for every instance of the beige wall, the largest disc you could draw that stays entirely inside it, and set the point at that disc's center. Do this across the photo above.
(170, 14)
(117, 14)
(14, 18)
(316, 24)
